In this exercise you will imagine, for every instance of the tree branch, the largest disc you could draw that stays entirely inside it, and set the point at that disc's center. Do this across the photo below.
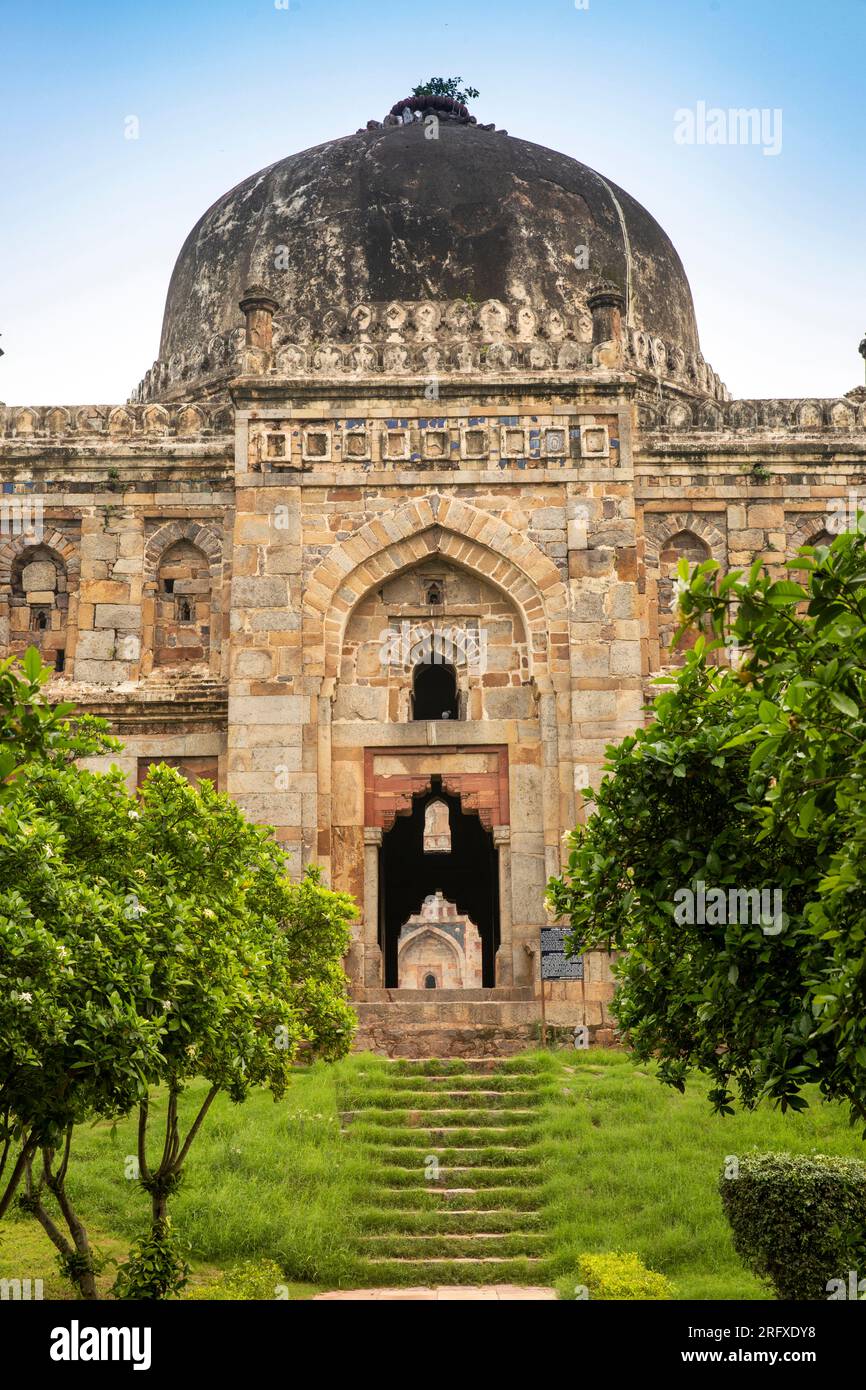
(143, 1170)
(196, 1126)
(27, 1151)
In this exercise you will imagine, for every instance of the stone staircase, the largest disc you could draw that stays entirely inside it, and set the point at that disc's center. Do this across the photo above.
(452, 1192)
(479, 1023)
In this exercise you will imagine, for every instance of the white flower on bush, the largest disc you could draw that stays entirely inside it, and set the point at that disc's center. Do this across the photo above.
(23, 997)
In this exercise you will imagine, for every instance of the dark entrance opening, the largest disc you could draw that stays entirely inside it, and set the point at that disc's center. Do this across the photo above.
(429, 981)
(434, 691)
(468, 876)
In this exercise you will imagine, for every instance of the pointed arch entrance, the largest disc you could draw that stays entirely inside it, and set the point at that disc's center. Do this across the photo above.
(467, 875)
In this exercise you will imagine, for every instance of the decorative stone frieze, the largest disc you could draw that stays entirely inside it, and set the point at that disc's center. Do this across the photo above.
(427, 338)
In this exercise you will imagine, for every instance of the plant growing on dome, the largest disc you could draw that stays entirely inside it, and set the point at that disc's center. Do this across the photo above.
(446, 87)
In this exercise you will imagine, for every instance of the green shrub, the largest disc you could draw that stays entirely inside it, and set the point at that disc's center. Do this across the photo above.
(253, 1279)
(619, 1276)
(156, 1266)
(798, 1221)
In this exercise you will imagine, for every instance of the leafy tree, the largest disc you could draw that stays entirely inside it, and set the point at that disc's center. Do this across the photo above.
(446, 87)
(40, 1094)
(247, 966)
(73, 1042)
(32, 728)
(746, 778)
(78, 1036)
(142, 942)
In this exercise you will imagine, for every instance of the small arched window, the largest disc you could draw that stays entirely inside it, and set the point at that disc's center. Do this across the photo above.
(39, 599)
(183, 606)
(434, 691)
(429, 981)
(684, 545)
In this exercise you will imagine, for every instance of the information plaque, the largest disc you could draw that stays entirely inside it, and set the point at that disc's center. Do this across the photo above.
(555, 963)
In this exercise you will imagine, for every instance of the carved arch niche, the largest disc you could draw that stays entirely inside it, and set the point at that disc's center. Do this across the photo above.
(682, 536)
(183, 581)
(38, 589)
(434, 641)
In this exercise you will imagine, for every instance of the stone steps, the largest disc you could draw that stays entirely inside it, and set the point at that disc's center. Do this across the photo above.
(428, 1201)
(473, 1119)
(451, 1068)
(502, 994)
(395, 1037)
(448, 1221)
(457, 1012)
(480, 1024)
(447, 1158)
(463, 1081)
(523, 1269)
(446, 1136)
(485, 1174)
(472, 1215)
(462, 1245)
(436, 1099)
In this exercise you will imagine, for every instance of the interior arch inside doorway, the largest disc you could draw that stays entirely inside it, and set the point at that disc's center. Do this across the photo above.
(467, 875)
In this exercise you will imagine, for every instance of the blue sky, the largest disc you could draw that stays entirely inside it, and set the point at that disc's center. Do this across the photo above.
(91, 222)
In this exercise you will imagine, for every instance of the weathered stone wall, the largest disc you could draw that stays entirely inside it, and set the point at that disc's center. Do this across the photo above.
(549, 517)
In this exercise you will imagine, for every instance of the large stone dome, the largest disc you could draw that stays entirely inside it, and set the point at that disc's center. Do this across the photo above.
(392, 214)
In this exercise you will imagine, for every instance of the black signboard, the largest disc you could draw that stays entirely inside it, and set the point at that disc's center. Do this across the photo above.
(555, 963)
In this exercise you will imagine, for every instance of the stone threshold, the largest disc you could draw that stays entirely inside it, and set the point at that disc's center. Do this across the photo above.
(448, 1293)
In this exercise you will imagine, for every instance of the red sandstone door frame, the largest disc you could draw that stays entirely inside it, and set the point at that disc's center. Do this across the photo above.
(388, 795)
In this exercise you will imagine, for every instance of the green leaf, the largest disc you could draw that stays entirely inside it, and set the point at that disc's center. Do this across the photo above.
(765, 750)
(32, 664)
(785, 592)
(844, 704)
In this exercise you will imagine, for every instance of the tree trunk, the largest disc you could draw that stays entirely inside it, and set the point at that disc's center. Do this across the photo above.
(159, 1209)
(84, 1278)
(77, 1254)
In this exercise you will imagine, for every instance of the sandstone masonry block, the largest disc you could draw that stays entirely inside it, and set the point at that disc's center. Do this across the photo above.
(259, 592)
(124, 617)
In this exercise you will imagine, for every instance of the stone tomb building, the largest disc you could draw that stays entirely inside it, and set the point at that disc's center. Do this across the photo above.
(438, 948)
(392, 521)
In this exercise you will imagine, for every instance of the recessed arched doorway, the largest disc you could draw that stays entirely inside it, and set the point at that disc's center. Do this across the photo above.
(434, 691)
(467, 875)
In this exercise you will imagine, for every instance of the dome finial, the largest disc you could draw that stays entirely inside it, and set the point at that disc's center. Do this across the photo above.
(414, 108)
(442, 95)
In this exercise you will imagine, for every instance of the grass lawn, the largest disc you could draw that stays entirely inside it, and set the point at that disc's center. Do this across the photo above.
(634, 1165)
(626, 1165)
